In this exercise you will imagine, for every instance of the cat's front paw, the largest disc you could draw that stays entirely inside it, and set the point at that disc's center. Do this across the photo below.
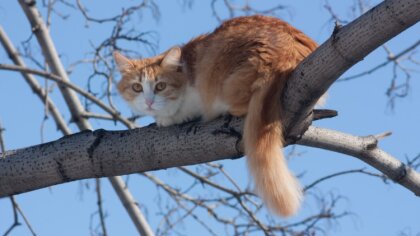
(163, 122)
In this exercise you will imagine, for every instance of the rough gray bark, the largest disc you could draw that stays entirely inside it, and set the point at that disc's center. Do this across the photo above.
(107, 153)
(366, 149)
(104, 153)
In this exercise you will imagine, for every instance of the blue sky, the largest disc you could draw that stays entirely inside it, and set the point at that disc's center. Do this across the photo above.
(378, 208)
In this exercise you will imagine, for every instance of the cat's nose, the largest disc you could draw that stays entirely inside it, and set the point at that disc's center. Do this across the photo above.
(149, 102)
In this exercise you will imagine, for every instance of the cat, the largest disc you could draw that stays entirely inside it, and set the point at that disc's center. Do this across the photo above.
(240, 68)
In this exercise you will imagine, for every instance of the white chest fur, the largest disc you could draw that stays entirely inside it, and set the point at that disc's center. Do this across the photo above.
(190, 107)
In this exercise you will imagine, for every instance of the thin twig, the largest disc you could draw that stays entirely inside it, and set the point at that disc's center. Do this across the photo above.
(25, 219)
(363, 171)
(15, 217)
(100, 206)
(391, 58)
(2, 146)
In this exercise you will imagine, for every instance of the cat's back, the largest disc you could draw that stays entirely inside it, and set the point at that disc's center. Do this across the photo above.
(256, 25)
(264, 29)
(239, 39)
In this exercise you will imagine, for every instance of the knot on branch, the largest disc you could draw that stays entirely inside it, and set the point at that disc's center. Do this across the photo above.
(370, 142)
(228, 129)
(295, 131)
(30, 3)
(98, 134)
(62, 171)
(402, 173)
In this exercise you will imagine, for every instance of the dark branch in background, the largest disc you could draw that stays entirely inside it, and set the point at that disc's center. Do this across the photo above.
(125, 12)
(51, 9)
(15, 207)
(399, 61)
(235, 9)
(340, 173)
(311, 223)
(24, 219)
(334, 16)
(16, 222)
(2, 146)
(100, 207)
(414, 162)
(390, 58)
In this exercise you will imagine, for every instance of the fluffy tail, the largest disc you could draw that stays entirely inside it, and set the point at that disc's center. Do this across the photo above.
(263, 139)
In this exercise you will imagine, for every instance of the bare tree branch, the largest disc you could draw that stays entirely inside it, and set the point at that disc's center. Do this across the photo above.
(320, 180)
(108, 153)
(24, 218)
(16, 222)
(2, 146)
(391, 58)
(49, 51)
(15, 207)
(366, 149)
(132, 207)
(100, 207)
(234, 7)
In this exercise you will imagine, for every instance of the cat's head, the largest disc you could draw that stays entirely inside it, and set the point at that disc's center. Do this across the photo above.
(152, 86)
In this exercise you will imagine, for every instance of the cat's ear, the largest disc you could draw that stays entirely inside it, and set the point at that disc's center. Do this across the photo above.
(123, 62)
(172, 59)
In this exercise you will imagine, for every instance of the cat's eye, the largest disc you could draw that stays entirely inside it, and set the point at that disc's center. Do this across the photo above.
(160, 86)
(137, 87)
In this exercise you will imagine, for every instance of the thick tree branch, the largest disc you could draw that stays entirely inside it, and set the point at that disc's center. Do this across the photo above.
(107, 153)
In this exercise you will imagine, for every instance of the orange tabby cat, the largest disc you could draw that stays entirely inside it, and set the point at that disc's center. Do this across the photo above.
(241, 69)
